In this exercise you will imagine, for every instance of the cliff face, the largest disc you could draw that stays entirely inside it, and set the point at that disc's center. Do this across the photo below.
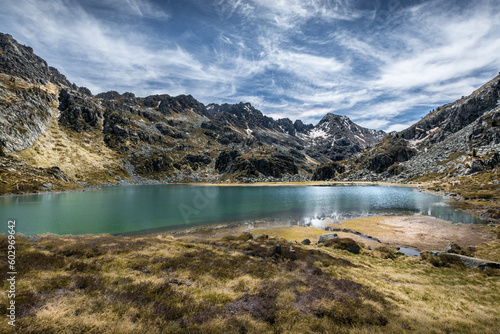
(334, 138)
(25, 97)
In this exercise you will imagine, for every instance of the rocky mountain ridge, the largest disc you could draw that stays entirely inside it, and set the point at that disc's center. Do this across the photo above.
(112, 138)
(339, 138)
(48, 124)
(457, 139)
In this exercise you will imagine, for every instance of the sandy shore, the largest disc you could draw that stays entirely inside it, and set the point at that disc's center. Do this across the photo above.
(418, 232)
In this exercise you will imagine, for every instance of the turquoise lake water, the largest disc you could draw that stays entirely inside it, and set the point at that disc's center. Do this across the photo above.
(121, 210)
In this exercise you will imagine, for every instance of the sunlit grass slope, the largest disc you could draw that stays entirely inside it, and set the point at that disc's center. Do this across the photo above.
(162, 284)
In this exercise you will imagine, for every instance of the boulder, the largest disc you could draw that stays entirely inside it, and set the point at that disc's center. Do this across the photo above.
(453, 248)
(476, 166)
(306, 242)
(344, 243)
(327, 236)
(467, 261)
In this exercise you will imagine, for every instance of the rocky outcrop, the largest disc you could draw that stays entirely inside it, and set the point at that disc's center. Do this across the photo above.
(274, 166)
(224, 161)
(168, 105)
(328, 172)
(467, 261)
(168, 130)
(57, 173)
(25, 104)
(77, 112)
(242, 115)
(18, 178)
(301, 127)
(453, 117)
(394, 151)
(25, 113)
(195, 161)
(287, 126)
(343, 243)
(327, 236)
(20, 61)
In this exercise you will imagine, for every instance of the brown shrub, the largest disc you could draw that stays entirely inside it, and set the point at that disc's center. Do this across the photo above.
(345, 244)
(37, 260)
(443, 260)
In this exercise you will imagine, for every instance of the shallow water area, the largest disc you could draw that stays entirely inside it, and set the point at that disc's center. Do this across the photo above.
(132, 209)
(409, 251)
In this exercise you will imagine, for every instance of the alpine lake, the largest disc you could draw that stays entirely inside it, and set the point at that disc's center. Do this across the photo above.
(157, 208)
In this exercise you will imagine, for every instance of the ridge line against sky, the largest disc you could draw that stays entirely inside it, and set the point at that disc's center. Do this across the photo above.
(384, 64)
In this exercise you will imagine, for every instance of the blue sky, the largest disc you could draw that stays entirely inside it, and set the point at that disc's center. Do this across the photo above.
(384, 64)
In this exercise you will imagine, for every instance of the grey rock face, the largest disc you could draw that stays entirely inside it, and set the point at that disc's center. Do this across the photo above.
(77, 112)
(24, 119)
(327, 172)
(224, 160)
(439, 143)
(453, 248)
(471, 262)
(26, 113)
(327, 236)
(20, 61)
(274, 166)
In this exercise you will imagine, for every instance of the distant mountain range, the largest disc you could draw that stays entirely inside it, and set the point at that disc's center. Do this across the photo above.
(55, 135)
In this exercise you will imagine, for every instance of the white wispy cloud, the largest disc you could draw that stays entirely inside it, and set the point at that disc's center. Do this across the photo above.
(294, 58)
(130, 8)
(111, 55)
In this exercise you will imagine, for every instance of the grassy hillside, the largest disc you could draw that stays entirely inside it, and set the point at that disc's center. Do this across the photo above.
(162, 284)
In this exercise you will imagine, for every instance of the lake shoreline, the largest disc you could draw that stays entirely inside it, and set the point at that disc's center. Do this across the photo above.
(469, 206)
(191, 207)
(210, 184)
(419, 232)
(416, 231)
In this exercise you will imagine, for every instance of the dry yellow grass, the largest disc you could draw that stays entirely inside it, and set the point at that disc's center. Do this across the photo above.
(82, 156)
(162, 284)
(296, 233)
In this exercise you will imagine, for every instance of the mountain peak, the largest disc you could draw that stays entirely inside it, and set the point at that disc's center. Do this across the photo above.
(339, 119)
(338, 137)
(21, 61)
